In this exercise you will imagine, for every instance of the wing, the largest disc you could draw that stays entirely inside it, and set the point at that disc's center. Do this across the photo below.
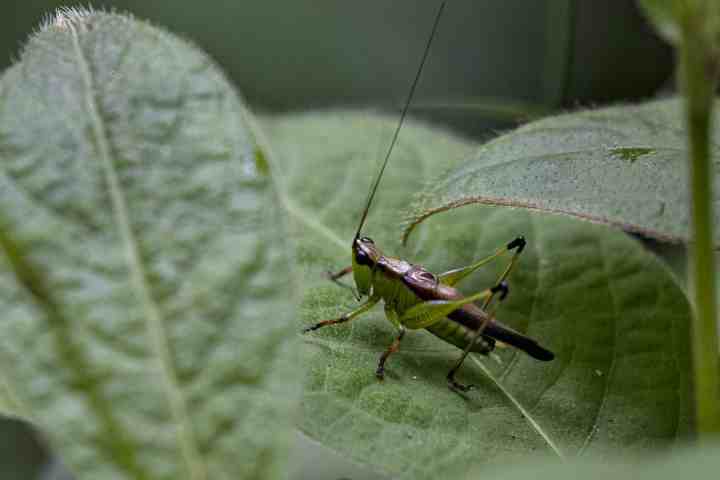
(427, 287)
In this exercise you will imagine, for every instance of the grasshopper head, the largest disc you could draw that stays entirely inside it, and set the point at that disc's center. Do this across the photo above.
(364, 257)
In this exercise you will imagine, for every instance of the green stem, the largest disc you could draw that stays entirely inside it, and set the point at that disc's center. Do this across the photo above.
(697, 82)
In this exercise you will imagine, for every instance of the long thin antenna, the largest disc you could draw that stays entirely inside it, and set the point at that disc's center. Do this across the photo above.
(375, 184)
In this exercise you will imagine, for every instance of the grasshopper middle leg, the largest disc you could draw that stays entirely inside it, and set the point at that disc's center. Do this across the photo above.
(346, 317)
(422, 315)
(394, 347)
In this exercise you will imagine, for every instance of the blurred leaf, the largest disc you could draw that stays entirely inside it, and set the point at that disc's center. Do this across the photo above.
(623, 166)
(144, 276)
(610, 311)
(669, 15)
(8, 403)
(684, 463)
(661, 14)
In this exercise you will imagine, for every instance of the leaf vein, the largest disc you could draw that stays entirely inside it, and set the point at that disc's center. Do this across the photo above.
(611, 372)
(154, 321)
(525, 413)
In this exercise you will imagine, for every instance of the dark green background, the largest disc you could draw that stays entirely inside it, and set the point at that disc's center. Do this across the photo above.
(494, 63)
(491, 58)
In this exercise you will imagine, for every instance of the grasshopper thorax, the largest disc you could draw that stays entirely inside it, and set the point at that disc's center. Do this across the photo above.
(365, 256)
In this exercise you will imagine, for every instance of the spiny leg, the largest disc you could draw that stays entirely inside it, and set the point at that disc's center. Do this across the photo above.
(346, 317)
(500, 287)
(425, 314)
(393, 318)
(336, 276)
(394, 347)
(419, 316)
(477, 339)
(340, 273)
(453, 277)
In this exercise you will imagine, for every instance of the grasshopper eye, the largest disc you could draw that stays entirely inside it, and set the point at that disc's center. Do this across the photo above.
(362, 258)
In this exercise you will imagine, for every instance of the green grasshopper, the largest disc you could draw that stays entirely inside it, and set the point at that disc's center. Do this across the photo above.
(415, 298)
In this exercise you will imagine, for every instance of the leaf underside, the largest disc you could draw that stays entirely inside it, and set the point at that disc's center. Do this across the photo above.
(623, 166)
(143, 268)
(609, 310)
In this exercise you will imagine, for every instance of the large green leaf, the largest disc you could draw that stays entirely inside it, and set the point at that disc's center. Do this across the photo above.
(701, 462)
(611, 312)
(144, 276)
(624, 166)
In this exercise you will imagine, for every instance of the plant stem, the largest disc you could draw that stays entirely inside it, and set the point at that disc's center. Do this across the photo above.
(697, 76)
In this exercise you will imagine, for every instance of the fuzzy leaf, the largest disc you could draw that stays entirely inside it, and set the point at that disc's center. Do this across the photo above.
(623, 166)
(144, 276)
(701, 462)
(609, 310)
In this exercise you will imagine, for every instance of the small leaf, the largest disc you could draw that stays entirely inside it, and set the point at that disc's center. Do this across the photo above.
(609, 310)
(623, 166)
(143, 262)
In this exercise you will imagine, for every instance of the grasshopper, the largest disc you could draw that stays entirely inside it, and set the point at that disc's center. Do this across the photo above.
(415, 298)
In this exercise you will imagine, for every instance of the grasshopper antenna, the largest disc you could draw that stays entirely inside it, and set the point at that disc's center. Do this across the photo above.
(376, 182)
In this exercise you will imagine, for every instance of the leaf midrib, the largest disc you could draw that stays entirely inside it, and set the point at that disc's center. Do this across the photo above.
(188, 444)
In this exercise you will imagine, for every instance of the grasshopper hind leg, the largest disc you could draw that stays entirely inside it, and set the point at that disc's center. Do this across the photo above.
(501, 288)
(484, 346)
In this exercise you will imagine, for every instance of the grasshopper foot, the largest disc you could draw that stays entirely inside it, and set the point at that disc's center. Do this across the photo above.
(518, 243)
(310, 328)
(503, 288)
(454, 385)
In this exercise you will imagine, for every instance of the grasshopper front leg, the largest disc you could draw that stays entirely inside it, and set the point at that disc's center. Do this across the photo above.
(346, 317)
(336, 276)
